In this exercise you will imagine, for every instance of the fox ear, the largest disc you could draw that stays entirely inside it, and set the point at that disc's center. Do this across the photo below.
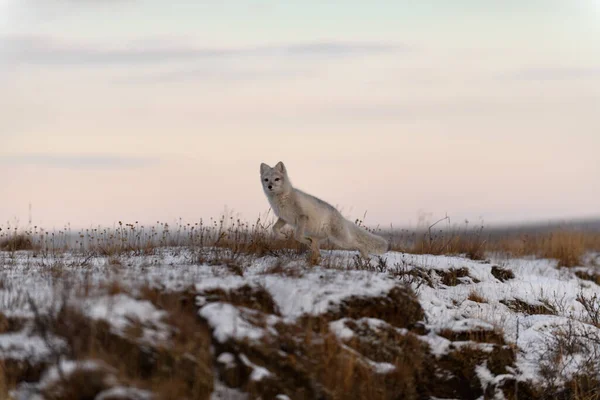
(264, 168)
(281, 168)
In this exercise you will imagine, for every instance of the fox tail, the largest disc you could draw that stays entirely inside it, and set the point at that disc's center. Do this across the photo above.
(366, 241)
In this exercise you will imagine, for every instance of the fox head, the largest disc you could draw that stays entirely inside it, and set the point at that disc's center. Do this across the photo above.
(274, 180)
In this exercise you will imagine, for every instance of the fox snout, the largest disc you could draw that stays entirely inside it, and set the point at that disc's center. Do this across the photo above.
(270, 187)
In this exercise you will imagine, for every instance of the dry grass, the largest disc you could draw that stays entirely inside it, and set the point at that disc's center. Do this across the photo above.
(475, 335)
(589, 276)
(476, 297)
(229, 238)
(247, 296)
(502, 274)
(519, 306)
(453, 276)
(567, 345)
(472, 242)
(566, 245)
(591, 304)
(16, 242)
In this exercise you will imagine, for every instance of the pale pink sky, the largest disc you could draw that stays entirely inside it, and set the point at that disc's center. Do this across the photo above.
(478, 110)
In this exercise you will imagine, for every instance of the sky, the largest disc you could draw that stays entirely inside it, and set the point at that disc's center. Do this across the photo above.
(148, 110)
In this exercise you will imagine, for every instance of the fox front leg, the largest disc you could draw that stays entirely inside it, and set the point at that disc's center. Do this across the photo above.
(300, 227)
(277, 227)
(315, 254)
(364, 254)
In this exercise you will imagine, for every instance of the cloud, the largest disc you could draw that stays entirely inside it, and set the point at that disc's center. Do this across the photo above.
(221, 75)
(69, 161)
(553, 73)
(47, 51)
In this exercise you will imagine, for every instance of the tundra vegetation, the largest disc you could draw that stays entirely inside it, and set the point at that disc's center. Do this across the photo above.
(220, 309)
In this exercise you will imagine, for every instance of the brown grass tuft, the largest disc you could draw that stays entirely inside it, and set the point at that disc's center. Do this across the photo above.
(11, 323)
(462, 381)
(502, 274)
(589, 276)
(474, 335)
(476, 297)
(452, 276)
(81, 384)
(16, 242)
(469, 242)
(253, 297)
(591, 305)
(400, 308)
(566, 247)
(520, 306)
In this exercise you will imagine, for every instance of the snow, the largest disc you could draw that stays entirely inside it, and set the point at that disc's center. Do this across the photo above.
(121, 310)
(67, 368)
(487, 378)
(228, 322)
(308, 290)
(438, 345)
(258, 372)
(536, 282)
(226, 283)
(539, 332)
(340, 330)
(226, 359)
(383, 368)
(484, 375)
(314, 292)
(124, 393)
(470, 324)
(23, 346)
(222, 392)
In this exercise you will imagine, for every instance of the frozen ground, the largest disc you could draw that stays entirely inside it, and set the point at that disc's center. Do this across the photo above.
(529, 309)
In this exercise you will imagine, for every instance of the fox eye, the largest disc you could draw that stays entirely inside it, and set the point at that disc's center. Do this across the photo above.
(266, 179)
(276, 179)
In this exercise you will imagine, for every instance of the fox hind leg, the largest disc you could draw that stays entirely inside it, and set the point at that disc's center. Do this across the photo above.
(315, 254)
(341, 236)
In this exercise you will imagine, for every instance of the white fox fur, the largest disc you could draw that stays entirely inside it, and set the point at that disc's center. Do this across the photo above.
(312, 218)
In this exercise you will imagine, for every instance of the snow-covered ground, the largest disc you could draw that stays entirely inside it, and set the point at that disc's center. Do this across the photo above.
(472, 301)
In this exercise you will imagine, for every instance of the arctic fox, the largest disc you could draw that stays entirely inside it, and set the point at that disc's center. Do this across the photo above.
(312, 218)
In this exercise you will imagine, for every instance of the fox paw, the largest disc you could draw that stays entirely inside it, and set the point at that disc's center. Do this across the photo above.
(314, 258)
